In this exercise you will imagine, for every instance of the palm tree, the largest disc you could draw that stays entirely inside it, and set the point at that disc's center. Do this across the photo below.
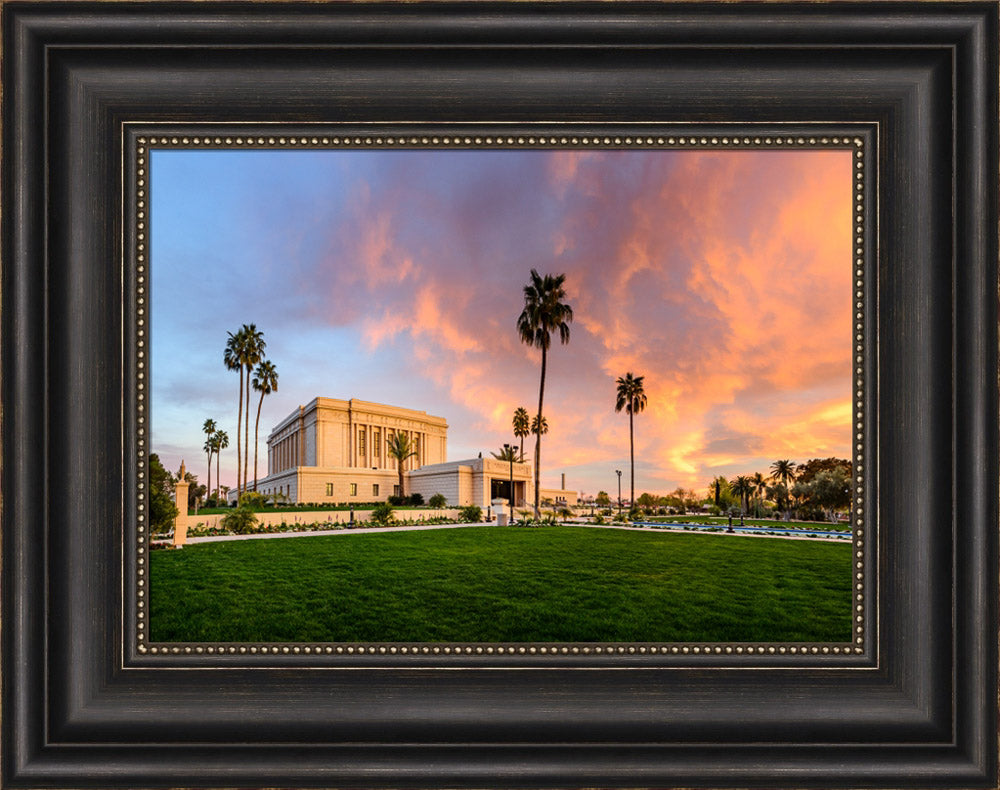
(759, 483)
(544, 312)
(783, 472)
(507, 453)
(539, 420)
(742, 487)
(632, 398)
(232, 357)
(253, 352)
(265, 381)
(209, 428)
(522, 426)
(220, 442)
(399, 447)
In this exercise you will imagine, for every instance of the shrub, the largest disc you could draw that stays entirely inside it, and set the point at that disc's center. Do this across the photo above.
(398, 501)
(636, 513)
(416, 499)
(471, 513)
(598, 519)
(438, 500)
(241, 521)
(253, 500)
(382, 515)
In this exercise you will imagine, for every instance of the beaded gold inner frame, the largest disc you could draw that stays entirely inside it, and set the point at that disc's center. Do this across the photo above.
(139, 140)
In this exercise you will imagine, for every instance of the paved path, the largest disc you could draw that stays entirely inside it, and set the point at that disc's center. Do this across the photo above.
(367, 530)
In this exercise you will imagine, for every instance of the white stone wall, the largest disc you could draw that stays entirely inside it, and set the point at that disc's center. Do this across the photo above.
(455, 483)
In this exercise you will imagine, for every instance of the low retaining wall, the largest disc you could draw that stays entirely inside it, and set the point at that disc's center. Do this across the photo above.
(324, 516)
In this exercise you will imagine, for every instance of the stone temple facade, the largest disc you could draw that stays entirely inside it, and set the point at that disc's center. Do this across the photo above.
(332, 451)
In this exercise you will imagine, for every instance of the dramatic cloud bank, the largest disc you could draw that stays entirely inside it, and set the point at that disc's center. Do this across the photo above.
(721, 277)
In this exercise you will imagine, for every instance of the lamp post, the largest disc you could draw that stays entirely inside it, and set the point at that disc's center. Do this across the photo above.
(509, 449)
(619, 473)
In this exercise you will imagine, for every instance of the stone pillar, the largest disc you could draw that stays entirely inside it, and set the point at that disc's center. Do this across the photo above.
(181, 500)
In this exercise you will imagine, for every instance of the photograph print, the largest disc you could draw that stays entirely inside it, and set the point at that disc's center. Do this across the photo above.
(504, 395)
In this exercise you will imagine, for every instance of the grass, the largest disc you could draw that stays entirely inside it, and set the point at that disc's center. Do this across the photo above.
(495, 584)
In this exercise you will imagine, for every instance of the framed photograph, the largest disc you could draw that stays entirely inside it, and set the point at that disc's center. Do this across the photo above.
(417, 288)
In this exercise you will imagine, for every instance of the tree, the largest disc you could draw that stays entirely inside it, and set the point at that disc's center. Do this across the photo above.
(829, 491)
(648, 501)
(544, 313)
(253, 353)
(265, 381)
(209, 428)
(232, 358)
(742, 487)
(631, 398)
(807, 471)
(399, 447)
(783, 474)
(602, 499)
(522, 426)
(507, 453)
(221, 442)
(759, 483)
(162, 510)
(539, 425)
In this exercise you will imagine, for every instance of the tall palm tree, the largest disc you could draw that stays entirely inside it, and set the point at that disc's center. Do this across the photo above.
(220, 442)
(539, 425)
(631, 398)
(399, 447)
(783, 472)
(544, 312)
(759, 483)
(232, 357)
(253, 352)
(265, 381)
(209, 428)
(742, 487)
(522, 426)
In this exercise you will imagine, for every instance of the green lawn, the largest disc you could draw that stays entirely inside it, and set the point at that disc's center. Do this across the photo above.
(503, 584)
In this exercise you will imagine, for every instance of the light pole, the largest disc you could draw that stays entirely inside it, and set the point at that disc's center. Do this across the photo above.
(619, 473)
(509, 449)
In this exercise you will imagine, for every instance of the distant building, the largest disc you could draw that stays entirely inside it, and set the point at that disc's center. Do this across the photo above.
(335, 451)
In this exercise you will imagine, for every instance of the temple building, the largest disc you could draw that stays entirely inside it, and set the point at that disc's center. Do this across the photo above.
(335, 451)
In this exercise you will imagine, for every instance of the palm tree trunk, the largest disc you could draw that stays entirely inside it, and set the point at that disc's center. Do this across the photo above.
(239, 424)
(246, 437)
(256, 440)
(538, 436)
(399, 468)
(218, 482)
(631, 455)
(209, 489)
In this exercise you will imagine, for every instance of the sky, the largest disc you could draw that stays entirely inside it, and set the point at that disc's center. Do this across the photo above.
(722, 277)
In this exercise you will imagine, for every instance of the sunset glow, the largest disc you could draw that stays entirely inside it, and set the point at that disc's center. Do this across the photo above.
(723, 277)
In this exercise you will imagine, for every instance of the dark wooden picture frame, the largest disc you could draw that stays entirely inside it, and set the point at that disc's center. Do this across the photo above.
(83, 708)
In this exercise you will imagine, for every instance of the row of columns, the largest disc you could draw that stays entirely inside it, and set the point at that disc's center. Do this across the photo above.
(284, 454)
(382, 461)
